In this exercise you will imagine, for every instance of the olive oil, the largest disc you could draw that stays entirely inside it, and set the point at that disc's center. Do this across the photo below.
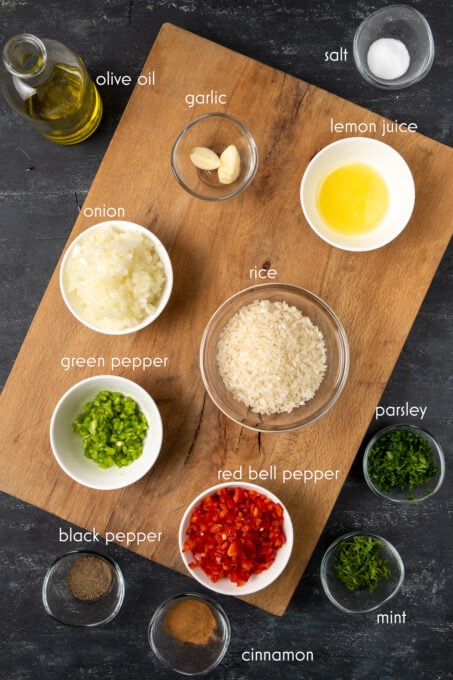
(353, 199)
(48, 84)
(71, 108)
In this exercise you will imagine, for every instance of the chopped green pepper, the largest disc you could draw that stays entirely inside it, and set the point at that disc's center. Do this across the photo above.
(358, 563)
(401, 459)
(113, 429)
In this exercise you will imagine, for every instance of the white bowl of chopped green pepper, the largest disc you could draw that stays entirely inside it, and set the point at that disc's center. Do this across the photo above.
(360, 572)
(106, 432)
(404, 464)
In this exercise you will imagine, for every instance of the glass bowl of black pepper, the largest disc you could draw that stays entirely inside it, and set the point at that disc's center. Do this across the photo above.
(394, 47)
(189, 633)
(83, 589)
(404, 464)
(360, 572)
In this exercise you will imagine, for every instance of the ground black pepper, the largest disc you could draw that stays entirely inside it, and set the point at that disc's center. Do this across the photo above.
(90, 578)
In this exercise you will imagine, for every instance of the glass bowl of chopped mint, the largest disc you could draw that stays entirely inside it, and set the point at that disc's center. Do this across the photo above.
(404, 464)
(360, 572)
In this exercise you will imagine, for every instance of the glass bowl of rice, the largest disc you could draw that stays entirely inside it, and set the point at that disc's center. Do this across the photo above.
(274, 358)
(116, 277)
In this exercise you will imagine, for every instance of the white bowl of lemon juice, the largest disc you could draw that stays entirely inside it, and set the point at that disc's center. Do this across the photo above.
(357, 194)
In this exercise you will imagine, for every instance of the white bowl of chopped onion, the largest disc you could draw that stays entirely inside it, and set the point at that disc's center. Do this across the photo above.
(116, 277)
(236, 538)
(69, 446)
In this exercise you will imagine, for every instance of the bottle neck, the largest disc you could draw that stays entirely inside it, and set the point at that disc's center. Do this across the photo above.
(25, 57)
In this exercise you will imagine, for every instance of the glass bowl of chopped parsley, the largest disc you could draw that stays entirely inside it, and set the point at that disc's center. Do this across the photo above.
(360, 572)
(404, 464)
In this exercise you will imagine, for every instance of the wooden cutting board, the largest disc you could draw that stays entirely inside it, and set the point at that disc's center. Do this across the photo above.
(213, 246)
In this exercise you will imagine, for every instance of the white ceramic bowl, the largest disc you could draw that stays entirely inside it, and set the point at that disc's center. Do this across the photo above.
(389, 164)
(77, 310)
(256, 581)
(67, 446)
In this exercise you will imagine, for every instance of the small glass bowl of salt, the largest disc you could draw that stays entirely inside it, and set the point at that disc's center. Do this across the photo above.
(394, 47)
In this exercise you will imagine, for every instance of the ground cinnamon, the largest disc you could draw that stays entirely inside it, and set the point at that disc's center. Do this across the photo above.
(191, 620)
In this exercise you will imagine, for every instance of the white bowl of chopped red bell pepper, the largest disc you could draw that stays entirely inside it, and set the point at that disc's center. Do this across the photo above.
(235, 538)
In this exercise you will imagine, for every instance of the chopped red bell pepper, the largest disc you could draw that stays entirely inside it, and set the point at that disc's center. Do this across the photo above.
(234, 533)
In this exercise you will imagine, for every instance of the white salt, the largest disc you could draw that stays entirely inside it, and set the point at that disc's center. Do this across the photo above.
(388, 58)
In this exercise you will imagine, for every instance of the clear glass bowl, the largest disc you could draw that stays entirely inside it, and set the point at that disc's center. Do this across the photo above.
(419, 493)
(403, 23)
(188, 658)
(337, 359)
(215, 131)
(361, 601)
(61, 604)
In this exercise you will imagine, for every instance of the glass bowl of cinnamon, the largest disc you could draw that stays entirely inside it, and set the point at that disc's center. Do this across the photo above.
(189, 633)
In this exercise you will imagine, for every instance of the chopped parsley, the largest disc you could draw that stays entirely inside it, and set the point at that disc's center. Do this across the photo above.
(401, 459)
(113, 429)
(358, 563)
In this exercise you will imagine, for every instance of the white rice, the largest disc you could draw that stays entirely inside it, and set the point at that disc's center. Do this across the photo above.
(114, 278)
(271, 357)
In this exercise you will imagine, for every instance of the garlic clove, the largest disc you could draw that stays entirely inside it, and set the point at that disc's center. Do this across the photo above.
(230, 165)
(204, 158)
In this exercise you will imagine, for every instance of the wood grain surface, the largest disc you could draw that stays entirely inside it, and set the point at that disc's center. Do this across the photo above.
(213, 246)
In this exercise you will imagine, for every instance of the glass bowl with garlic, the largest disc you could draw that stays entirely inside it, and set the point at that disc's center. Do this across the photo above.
(214, 157)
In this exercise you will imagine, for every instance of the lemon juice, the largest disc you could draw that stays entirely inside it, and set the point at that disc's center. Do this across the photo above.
(353, 199)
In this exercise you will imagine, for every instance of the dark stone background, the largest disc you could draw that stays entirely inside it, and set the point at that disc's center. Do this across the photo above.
(42, 186)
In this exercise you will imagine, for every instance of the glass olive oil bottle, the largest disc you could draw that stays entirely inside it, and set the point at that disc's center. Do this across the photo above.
(48, 84)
